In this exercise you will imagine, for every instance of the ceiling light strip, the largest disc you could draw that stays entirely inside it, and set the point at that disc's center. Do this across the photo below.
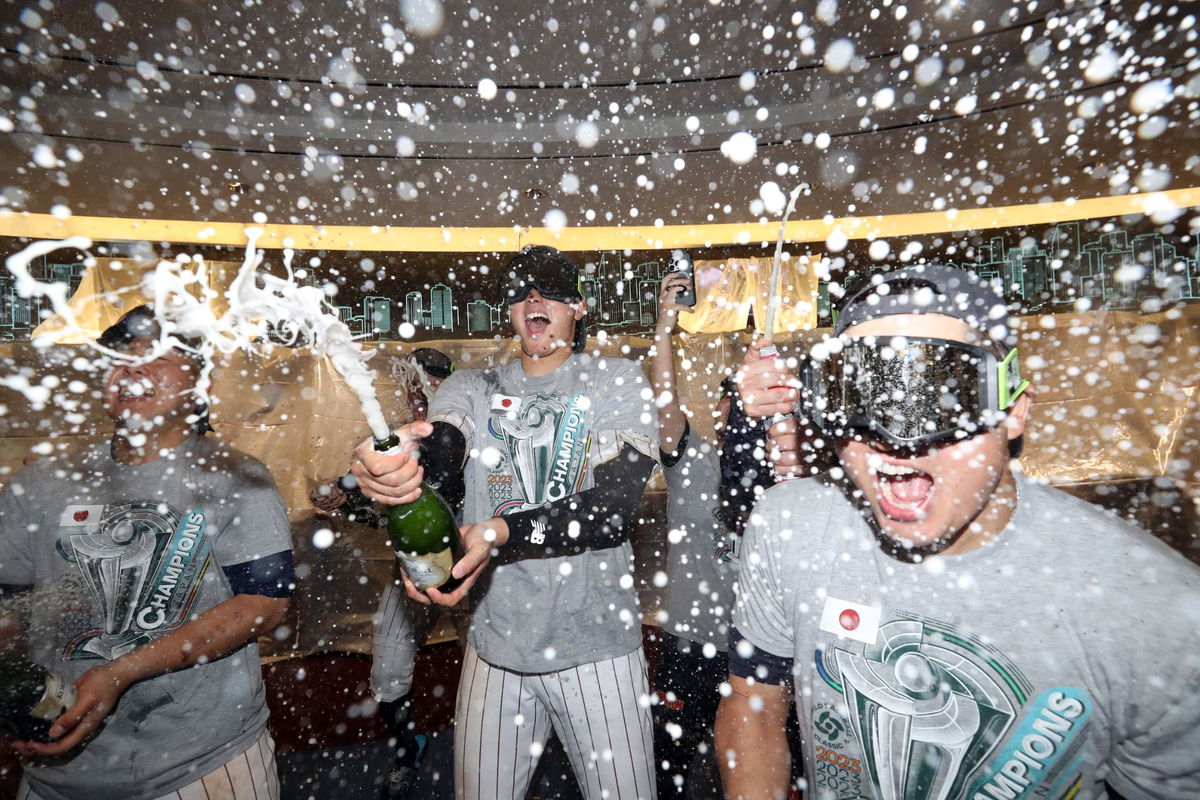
(643, 237)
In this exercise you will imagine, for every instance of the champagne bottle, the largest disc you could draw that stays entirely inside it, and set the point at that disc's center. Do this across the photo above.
(424, 535)
(31, 698)
(358, 507)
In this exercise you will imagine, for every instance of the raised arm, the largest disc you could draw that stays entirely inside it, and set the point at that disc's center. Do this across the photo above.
(671, 419)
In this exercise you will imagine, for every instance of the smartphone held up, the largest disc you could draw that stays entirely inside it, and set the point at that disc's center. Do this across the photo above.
(681, 263)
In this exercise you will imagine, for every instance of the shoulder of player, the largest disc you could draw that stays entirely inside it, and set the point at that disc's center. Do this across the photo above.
(462, 378)
(222, 459)
(796, 510)
(805, 494)
(60, 466)
(1115, 548)
(605, 368)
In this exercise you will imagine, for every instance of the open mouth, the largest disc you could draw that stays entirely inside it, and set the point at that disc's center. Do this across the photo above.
(905, 493)
(136, 390)
(537, 323)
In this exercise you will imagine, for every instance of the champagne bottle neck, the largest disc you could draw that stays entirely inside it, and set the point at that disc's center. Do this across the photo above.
(383, 445)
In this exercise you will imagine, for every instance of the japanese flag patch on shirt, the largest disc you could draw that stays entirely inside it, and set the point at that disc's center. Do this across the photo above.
(505, 404)
(80, 516)
(850, 620)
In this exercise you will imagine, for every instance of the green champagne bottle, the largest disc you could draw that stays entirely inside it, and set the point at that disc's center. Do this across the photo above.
(31, 698)
(424, 535)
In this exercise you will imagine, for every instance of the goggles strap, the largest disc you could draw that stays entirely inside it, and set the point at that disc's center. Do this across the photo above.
(1009, 380)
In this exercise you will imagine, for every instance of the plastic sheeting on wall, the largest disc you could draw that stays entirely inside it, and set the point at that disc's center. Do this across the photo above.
(728, 291)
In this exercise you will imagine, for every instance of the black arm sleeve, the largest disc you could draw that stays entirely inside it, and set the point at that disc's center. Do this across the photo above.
(270, 576)
(671, 459)
(443, 454)
(743, 477)
(594, 519)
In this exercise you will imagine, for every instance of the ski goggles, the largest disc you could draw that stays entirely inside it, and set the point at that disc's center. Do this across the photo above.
(555, 276)
(909, 391)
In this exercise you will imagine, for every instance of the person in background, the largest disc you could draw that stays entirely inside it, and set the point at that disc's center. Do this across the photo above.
(949, 628)
(551, 453)
(155, 559)
(710, 495)
(400, 626)
(700, 571)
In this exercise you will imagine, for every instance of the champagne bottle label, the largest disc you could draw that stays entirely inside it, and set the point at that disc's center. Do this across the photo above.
(58, 697)
(429, 570)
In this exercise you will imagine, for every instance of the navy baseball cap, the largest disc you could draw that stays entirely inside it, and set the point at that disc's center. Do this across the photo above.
(435, 363)
(931, 289)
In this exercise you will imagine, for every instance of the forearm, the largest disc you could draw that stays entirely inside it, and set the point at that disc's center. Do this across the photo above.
(671, 420)
(216, 633)
(595, 519)
(752, 749)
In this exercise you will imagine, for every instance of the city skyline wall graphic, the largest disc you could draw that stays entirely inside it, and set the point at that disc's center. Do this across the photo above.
(1068, 266)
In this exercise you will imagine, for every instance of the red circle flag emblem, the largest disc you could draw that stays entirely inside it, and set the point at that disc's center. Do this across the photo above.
(506, 402)
(80, 516)
(849, 619)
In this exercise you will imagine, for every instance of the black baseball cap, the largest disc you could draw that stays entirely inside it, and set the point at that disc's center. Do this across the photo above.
(931, 289)
(553, 274)
(435, 363)
(137, 324)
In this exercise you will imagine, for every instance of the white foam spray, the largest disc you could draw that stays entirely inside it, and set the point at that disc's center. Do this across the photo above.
(257, 302)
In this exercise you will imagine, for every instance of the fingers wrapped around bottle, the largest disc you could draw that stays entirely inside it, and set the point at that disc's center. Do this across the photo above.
(478, 539)
(392, 477)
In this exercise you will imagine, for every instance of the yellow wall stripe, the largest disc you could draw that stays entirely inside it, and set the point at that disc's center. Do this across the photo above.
(642, 237)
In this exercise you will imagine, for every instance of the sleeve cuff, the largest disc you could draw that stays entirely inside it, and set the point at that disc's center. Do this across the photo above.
(747, 661)
(269, 576)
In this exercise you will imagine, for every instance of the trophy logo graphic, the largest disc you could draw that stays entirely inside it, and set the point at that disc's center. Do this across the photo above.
(530, 437)
(926, 715)
(142, 565)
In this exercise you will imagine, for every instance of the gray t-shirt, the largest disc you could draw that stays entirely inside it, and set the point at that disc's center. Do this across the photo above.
(118, 556)
(532, 440)
(699, 566)
(1064, 654)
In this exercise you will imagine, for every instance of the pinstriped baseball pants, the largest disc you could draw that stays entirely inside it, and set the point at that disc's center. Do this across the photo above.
(248, 776)
(600, 711)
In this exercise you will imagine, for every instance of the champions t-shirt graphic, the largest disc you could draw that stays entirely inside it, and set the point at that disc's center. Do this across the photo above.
(544, 440)
(928, 713)
(142, 563)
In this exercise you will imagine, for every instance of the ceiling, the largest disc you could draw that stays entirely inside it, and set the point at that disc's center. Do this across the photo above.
(603, 113)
